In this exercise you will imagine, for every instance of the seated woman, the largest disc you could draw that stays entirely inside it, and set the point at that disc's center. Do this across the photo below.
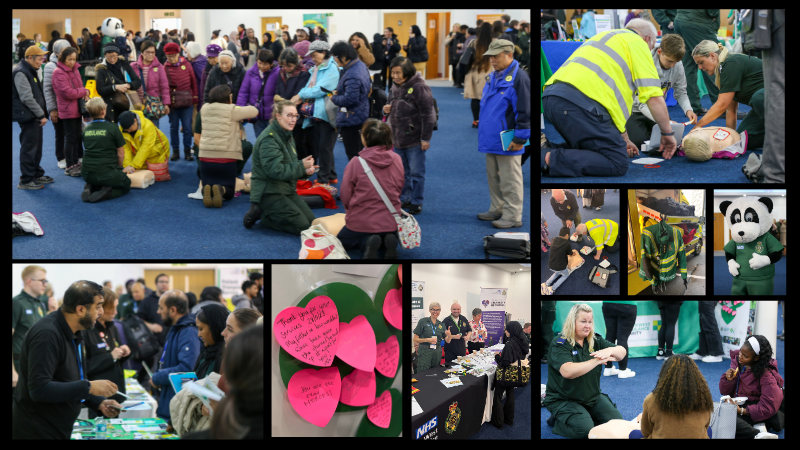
(145, 144)
(276, 169)
(221, 144)
(702, 144)
(369, 221)
(102, 157)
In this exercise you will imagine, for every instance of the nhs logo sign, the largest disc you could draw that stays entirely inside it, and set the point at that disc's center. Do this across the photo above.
(424, 429)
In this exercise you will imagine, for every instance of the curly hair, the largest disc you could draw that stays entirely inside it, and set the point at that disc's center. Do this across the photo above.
(681, 388)
(764, 356)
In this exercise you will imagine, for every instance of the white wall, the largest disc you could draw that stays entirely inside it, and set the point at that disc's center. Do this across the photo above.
(778, 207)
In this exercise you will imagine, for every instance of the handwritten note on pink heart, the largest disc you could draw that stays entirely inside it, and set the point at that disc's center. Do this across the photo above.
(358, 388)
(380, 412)
(393, 308)
(314, 394)
(310, 334)
(388, 357)
(357, 343)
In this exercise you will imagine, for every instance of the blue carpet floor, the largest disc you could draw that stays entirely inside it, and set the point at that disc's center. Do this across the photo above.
(162, 220)
(723, 281)
(522, 420)
(679, 168)
(629, 393)
(578, 282)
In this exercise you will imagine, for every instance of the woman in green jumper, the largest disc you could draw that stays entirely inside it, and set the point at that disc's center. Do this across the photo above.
(620, 317)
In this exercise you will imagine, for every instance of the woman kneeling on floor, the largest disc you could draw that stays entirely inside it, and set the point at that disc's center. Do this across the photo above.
(221, 144)
(102, 157)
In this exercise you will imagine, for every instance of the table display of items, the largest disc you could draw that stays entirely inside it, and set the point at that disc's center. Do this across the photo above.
(478, 363)
(142, 403)
(119, 429)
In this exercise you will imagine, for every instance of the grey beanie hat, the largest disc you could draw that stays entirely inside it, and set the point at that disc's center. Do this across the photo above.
(319, 46)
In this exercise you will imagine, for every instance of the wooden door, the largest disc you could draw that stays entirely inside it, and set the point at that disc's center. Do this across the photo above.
(719, 231)
(401, 23)
(434, 23)
(270, 20)
(183, 280)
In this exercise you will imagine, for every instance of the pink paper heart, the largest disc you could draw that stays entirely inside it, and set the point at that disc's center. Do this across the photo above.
(357, 343)
(358, 388)
(380, 412)
(400, 273)
(388, 357)
(310, 334)
(314, 394)
(393, 308)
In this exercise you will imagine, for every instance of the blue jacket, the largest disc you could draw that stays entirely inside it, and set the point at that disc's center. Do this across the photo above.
(328, 78)
(506, 105)
(352, 93)
(181, 350)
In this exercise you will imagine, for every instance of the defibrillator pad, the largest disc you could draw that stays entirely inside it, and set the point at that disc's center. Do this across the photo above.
(586, 250)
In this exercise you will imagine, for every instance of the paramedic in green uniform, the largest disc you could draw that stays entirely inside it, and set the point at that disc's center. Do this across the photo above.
(753, 281)
(573, 394)
(740, 79)
(429, 334)
(26, 310)
(102, 157)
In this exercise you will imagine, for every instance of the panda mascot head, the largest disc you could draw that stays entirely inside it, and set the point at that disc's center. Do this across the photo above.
(112, 27)
(748, 217)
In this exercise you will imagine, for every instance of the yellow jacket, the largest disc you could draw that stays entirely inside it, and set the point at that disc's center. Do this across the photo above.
(609, 68)
(603, 232)
(148, 144)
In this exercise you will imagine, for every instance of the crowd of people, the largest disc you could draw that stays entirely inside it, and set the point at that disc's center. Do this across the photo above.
(300, 93)
(54, 377)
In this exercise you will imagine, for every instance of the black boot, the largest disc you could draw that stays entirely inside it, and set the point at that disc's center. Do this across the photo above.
(390, 242)
(87, 191)
(252, 215)
(176, 155)
(371, 248)
(188, 153)
(104, 193)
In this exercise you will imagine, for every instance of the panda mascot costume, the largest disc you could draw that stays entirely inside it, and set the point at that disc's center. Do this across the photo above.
(112, 29)
(753, 251)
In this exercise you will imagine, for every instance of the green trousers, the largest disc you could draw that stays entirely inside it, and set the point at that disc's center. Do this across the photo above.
(287, 213)
(692, 35)
(753, 122)
(574, 421)
(427, 358)
(758, 287)
(117, 179)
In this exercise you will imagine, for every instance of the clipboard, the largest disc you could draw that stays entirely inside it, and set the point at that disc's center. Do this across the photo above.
(506, 137)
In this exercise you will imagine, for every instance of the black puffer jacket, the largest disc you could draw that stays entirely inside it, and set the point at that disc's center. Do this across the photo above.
(417, 47)
(109, 75)
(377, 51)
(217, 78)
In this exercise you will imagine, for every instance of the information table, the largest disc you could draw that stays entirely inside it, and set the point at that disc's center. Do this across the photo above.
(119, 429)
(448, 413)
(138, 395)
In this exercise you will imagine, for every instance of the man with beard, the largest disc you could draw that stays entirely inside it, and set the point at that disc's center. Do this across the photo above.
(52, 378)
(457, 333)
(182, 346)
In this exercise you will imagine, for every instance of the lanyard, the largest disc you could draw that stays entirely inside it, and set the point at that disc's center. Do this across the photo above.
(161, 363)
(80, 363)
(456, 322)
(98, 120)
(135, 306)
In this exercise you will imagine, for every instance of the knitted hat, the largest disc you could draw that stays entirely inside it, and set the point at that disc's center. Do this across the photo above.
(110, 48)
(319, 46)
(171, 48)
(126, 119)
(229, 54)
(212, 51)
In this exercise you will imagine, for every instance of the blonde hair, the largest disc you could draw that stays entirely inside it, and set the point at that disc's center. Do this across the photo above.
(705, 48)
(697, 146)
(28, 272)
(95, 106)
(434, 304)
(568, 330)
(278, 109)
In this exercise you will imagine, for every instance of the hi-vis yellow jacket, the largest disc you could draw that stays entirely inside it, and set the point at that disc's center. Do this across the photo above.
(609, 68)
(603, 232)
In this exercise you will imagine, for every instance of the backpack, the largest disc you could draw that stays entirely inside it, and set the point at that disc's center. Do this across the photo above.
(376, 102)
(146, 342)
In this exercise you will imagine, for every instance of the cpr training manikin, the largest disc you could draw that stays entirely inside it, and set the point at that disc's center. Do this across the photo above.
(702, 144)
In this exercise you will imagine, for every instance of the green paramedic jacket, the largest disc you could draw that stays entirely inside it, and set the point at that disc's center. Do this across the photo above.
(660, 255)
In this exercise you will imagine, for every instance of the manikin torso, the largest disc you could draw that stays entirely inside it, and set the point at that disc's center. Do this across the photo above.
(723, 139)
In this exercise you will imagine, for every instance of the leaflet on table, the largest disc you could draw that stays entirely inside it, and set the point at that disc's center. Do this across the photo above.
(452, 382)
(415, 408)
(147, 428)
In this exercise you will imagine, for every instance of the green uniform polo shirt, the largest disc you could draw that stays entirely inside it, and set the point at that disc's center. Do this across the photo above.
(100, 143)
(25, 311)
(125, 307)
(741, 74)
(586, 388)
(743, 253)
(426, 329)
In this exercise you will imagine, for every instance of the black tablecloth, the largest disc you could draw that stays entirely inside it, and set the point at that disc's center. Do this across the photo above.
(467, 403)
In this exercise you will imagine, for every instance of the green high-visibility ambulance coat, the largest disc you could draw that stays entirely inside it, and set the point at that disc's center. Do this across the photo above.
(662, 257)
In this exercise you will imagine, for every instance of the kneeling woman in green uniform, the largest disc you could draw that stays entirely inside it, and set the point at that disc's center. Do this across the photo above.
(740, 79)
(102, 157)
(429, 334)
(573, 376)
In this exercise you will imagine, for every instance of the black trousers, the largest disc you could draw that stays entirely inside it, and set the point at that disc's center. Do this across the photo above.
(30, 152)
(639, 128)
(670, 310)
(351, 138)
(710, 339)
(356, 240)
(620, 320)
(59, 127)
(301, 140)
(744, 424)
(73, 148)
(503, 413)
(223, 174)
(321, 138)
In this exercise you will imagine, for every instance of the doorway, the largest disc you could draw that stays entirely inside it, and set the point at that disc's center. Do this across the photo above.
(719, 232)
(163, 24)
(183, 280)
(268, 24)
(400, 23)
(438, 27)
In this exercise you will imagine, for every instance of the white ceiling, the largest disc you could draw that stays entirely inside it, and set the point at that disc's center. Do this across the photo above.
(511, 267)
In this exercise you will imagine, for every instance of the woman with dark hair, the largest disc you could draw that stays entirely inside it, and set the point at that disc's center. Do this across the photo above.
(258, 88)
(321, 34)
(113, 75)
(240, 414)
(475, 79)
(249, 48)
(351, 95)
(210, 323)
(361, 44)
(417, 49)
(267, 41)
(515, 350)
(210, 295)
(68, 89)
(293, 77)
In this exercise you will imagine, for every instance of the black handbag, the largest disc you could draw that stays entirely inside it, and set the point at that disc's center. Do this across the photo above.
(465, 63)
(515, 375)
(81, 102)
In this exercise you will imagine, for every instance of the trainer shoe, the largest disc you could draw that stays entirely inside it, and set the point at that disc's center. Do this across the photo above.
(712, 359)
(695, 356)
(610, 372)
(627, 373)
(62, 164)
(216, 190)
(505, 224)
(490, 216)
(44, 179)
(30, 185)
(87, 191)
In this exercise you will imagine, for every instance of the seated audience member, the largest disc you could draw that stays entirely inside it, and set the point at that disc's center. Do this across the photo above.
(563, 261)
(240, 414)
(245, 300)
(102, 157)
(258, 88)
(144, 143)
(211, 322)
(221, 144)
(276, 169)
(369, 221)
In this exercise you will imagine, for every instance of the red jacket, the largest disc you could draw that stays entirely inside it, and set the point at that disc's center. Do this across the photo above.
(366, 212)
(66, 95)
(181, 77)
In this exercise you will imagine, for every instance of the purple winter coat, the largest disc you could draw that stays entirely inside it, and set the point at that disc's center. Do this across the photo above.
(366, 212)
(251, 87)
(199, 66)
(67, 96)
(157, 85)
(766, 390)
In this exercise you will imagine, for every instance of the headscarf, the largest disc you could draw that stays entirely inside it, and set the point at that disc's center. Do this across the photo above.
(216, 315)
(234, 37)
(517, 344)
(253, 39)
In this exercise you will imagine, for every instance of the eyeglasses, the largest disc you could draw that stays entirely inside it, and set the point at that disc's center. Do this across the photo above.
(291, 116)
(44, 281)
(435, 310)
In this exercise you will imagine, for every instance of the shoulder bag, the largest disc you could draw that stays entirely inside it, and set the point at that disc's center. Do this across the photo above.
(153, 106)
(180, 99)
(81, 102)
(465, 63)
(407, 226)
(515, 375)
